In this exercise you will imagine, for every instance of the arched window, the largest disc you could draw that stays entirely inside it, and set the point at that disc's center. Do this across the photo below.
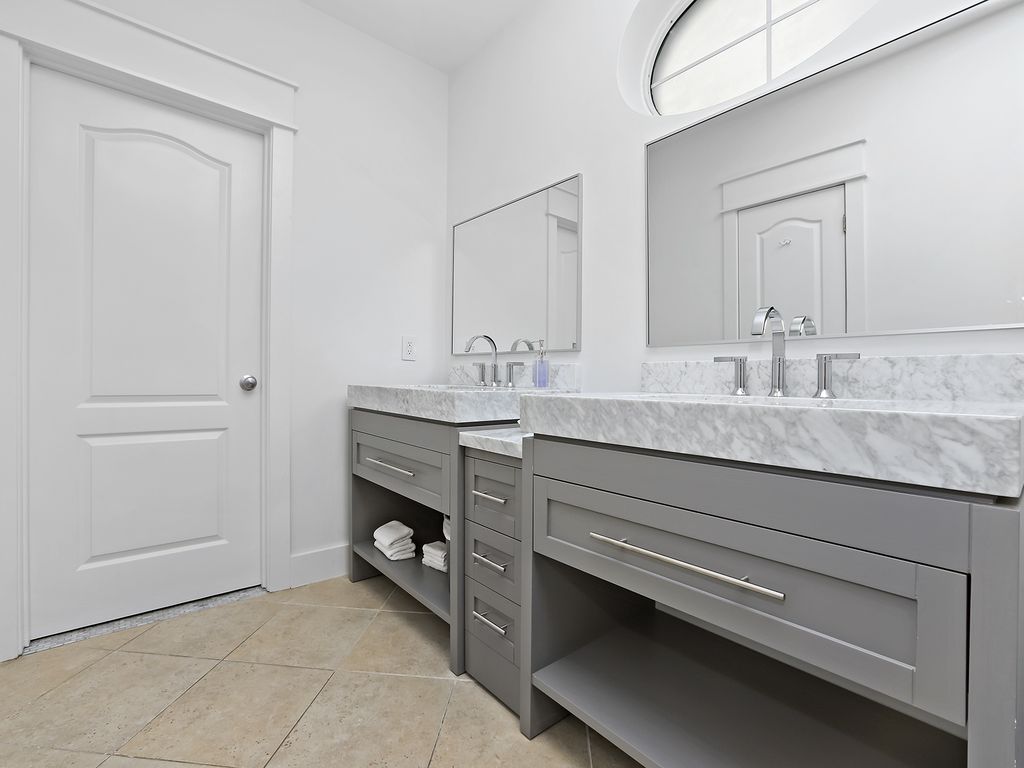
(720, 49)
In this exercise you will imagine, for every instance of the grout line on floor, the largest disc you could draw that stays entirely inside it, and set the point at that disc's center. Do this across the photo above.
(299, 720)
(440, 726)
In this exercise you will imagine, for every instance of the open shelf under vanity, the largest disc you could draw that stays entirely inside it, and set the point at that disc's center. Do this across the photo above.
(673, 695)
(427, 585)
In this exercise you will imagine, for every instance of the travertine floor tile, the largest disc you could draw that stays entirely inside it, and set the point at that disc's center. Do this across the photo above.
(401, 601)
(113, 641)
(212, 633)
(365, 720)
(403, 643)
(306, 636)
(24, 679)
(340, 593)
(101, 708)
(479, 732)
(34, 757)
(604, 754)
(237, 715)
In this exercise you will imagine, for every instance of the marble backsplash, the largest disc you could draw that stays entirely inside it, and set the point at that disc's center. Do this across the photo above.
(561, 376)
(992, 378)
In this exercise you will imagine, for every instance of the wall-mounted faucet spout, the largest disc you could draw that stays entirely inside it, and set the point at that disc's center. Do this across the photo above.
(762, 317)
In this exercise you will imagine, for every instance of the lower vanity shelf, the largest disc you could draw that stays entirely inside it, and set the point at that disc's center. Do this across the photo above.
(675, 696)
(429, 586)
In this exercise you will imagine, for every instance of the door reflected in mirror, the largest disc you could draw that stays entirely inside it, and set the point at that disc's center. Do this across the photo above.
(882, 197)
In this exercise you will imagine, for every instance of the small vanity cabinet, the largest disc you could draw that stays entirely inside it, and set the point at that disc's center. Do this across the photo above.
(409, 469)
(493, 566)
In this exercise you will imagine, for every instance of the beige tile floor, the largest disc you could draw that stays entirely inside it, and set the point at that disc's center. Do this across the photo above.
(331, 675)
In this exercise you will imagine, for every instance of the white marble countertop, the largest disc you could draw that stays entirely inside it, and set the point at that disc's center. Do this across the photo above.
(448, 403)
(507, 441)
(961, 446)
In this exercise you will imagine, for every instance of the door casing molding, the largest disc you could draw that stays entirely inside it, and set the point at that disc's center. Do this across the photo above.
(266, 108)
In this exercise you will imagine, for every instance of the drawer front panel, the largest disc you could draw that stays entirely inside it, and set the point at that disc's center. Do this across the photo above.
(414, 472)
(494, 672)
(493, 619)
(895, 627)
(924, 528)
(493, 497)
(493, 560)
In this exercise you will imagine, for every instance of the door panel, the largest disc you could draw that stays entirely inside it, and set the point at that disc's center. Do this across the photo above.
(792, 255)
(144, 311)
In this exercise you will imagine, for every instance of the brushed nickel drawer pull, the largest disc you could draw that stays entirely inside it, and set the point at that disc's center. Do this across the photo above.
(489, 563)
(730, 580)
(392, 467)
(495, 499)
(482, 618)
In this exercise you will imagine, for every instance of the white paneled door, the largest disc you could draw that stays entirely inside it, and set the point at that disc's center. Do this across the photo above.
(792, 255)
(144, 313)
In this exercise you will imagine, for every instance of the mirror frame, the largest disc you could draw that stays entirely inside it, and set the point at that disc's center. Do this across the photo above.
(579, 272)
(937, 28)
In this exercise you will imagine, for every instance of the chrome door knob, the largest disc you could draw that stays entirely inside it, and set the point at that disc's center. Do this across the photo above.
(248, 383)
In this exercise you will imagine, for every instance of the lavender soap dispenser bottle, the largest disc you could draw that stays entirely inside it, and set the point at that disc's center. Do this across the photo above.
(540, 367)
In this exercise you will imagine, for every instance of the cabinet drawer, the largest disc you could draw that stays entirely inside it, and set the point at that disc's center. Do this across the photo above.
(889, 625)
(493, 619)
(493, 559)
(493, 497)
(494, 672)
(414, 472)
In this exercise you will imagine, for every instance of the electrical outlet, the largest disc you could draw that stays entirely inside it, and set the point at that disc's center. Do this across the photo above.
(409, 348)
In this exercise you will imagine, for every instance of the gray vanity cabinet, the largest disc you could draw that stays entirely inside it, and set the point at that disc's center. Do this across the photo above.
(835, 609)
(493, 581)
(409, 469)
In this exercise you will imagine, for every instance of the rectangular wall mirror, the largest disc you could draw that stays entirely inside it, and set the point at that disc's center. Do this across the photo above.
(880, 197)
(517, 271)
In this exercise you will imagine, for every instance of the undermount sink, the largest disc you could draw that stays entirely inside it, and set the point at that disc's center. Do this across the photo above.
(972, 447)
(448, 403)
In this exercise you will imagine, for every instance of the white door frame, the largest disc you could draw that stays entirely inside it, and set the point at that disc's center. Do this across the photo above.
(259, 102)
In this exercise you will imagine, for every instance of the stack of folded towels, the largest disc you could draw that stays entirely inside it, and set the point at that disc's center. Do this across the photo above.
(395, 540)
(435, 555)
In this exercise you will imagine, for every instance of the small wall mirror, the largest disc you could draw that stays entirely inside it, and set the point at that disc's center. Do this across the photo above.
(517, 271)
(882, 197)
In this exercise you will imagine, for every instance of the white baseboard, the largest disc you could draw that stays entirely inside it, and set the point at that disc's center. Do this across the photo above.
(319, 564)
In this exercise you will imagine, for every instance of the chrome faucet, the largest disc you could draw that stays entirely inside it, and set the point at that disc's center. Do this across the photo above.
(803, 325)
(762, 317)
(494, 355)
(517, 342)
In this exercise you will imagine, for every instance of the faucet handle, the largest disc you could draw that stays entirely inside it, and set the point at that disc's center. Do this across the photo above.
(482, 373)
(739, 382)
(510, 372)
(825, 372)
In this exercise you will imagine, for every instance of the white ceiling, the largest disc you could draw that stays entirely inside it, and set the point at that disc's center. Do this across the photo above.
(442, 33)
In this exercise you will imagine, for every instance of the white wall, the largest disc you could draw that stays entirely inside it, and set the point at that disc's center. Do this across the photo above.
(541, 103)
(369, 227)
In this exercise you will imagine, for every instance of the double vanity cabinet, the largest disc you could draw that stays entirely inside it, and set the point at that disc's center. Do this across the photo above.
(708, 613)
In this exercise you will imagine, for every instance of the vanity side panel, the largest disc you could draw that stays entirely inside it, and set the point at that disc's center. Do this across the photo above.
(925, 529)
(995, 677)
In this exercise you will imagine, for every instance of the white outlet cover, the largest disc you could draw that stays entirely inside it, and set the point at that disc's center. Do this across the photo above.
(409, 348)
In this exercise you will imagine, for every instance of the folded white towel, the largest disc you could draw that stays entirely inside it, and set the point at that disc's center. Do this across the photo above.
(437, 549)
(397, 553)
(398, 545)
(443, 568)
(446, 529)
(391, 532)
(435, 561)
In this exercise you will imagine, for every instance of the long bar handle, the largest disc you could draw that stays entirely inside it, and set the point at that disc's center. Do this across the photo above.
(730, 580)
(392, 467)
(482, 618)
(490, 563)
(495, 499)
